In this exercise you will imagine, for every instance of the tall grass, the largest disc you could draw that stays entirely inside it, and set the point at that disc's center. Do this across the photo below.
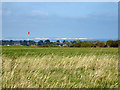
(53, 71)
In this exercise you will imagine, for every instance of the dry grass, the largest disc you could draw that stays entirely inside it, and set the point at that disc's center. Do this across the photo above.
(52, 71)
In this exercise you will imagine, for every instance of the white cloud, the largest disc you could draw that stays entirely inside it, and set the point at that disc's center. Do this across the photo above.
(71, 38)
(61, 38)
(13, 38)
(38, 13)
(41, 38)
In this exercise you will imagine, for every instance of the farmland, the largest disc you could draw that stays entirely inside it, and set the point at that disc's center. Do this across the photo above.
(59, 67)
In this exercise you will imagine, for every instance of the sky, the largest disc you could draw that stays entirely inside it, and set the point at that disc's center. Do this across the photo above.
(97, 20)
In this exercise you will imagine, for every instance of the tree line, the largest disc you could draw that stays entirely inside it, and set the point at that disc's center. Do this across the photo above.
(64, 43)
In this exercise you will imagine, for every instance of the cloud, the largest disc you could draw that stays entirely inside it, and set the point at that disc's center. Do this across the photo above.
(17, 38)
(41, 38)
(38, 13)
(61, 38)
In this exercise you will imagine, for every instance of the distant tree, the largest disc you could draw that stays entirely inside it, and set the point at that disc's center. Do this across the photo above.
(78, 41)
(111, 43)
(0, 42)
(76, 45)
(118, 42)
(72, 42)
(25, 43)
(63, 41)
(65, 45)
(47, 41)
(11, 42)
(5, 42)
(58, 41)
(100, 44)
(40, 42)
(21, 42)
(86, 44)
(92, 43)
(31, 42)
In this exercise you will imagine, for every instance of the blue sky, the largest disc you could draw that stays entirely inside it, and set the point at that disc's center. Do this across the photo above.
(98, 20)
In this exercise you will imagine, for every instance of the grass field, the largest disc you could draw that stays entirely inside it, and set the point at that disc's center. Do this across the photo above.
(59, 67)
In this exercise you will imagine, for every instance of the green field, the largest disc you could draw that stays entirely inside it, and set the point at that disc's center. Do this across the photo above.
(59, 67)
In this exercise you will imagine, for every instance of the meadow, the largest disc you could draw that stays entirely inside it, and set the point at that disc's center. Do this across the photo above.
(59, 67)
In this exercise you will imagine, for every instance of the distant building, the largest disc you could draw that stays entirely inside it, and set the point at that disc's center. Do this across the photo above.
(16, 43)
(8, 43)
(36, 43)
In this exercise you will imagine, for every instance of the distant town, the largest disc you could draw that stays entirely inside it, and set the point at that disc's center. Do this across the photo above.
(58, 43)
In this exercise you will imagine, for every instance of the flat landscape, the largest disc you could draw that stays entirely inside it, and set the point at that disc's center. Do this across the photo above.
(59, 67)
